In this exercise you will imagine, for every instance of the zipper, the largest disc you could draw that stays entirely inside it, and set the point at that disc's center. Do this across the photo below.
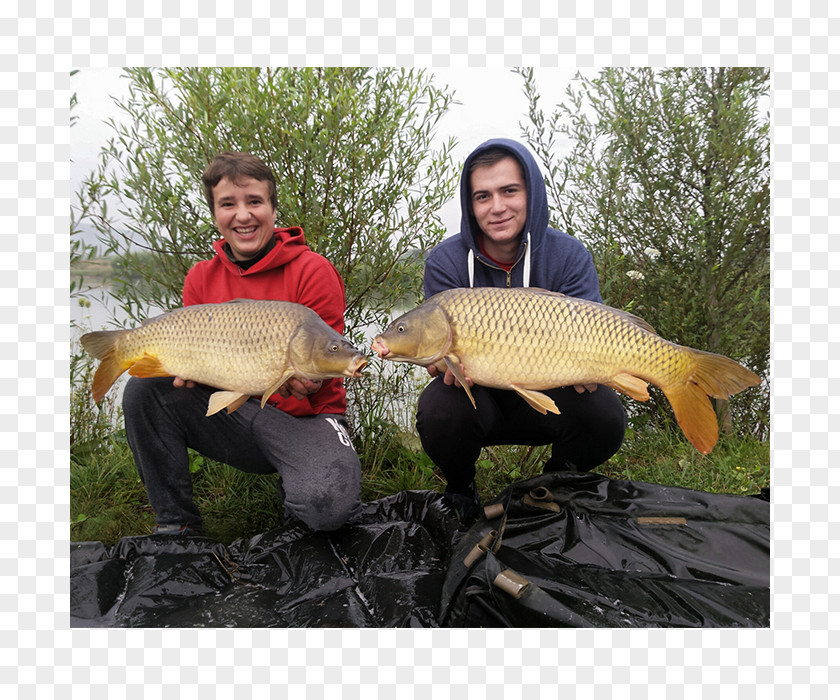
(507, 272)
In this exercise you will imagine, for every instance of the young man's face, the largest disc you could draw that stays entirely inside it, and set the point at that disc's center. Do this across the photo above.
(244, 215)
(499, 201)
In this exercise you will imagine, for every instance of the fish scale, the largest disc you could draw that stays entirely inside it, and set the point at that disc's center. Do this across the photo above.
(528, 340)
(243, 347)
(549, 338)
(192, 340)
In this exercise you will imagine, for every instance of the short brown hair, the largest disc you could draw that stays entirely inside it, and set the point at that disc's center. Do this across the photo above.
(491, 156)
(234, 166)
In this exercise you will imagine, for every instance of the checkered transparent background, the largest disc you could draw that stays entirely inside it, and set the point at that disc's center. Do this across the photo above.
(42, 656)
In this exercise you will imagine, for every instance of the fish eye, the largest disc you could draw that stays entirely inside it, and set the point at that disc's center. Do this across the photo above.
(401, 328)
(333, 347)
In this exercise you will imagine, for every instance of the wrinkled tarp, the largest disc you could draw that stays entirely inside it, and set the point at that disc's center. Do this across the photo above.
(583, 555)
(385, 571)
(581, 550)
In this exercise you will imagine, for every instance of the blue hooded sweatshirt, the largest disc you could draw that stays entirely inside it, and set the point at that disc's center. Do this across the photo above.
(547, 258)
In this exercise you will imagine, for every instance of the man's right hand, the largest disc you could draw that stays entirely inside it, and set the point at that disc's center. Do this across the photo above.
(448, 377)
(178, 382)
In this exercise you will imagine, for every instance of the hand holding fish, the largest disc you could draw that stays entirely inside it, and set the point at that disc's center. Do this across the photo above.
(448, 378)
(299, 388)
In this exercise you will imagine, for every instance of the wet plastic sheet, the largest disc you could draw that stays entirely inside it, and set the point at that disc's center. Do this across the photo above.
(581, 550)
(595, 552)
(385, 571)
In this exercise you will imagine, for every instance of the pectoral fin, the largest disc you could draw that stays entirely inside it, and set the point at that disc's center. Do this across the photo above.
(454, 365)
(537, 400)
(634, 387)
(231, 400)
(288, 374)
(148, 366)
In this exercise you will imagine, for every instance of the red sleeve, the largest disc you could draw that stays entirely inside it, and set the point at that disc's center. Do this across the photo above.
(194, 283)
(321, 288)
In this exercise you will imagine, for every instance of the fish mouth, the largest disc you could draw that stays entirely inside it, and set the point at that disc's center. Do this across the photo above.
(356, 366)
(379, 348)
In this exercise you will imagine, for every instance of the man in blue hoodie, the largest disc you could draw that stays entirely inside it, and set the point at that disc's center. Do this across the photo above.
(505, 241)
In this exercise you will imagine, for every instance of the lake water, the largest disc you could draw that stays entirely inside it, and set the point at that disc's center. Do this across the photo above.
(98, 316)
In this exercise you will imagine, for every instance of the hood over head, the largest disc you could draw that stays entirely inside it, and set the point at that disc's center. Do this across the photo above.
(536, 222)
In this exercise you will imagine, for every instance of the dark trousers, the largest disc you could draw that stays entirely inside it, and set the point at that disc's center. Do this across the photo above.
(588, 431)
(318, 466)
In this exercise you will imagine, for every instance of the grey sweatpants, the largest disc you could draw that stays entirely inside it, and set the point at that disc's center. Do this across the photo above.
(318, 466)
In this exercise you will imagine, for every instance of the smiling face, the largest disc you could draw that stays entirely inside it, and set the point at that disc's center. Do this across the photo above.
(244, 215)
(500, 206)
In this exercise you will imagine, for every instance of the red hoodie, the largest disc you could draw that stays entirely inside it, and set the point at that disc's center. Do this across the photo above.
(291, 271)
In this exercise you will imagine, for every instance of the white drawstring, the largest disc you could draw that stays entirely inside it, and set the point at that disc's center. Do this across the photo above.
(526, 272)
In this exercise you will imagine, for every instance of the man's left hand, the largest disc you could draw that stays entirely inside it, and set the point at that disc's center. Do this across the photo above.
(299, 388)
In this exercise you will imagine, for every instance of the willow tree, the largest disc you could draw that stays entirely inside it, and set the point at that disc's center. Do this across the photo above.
(352, 152)
(666, 178)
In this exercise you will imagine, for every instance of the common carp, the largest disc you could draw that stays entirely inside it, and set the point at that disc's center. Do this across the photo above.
(243, 347)
(530, 339)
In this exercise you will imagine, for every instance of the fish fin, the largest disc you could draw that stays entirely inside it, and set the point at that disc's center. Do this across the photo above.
(713, 375)
(720, 376)
(236, 404)
(695, 415)
(101, 344)
(630, 318)
(635, 320)
(231, 400)
(148, 366)
(454, 365)
(537, 400)
(288, 374)
(634, 387)
(545, 292)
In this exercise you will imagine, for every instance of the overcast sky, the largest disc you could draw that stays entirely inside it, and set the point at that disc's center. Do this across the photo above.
(492, 105)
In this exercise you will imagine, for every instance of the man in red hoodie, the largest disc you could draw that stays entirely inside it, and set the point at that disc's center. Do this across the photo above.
(302, 432)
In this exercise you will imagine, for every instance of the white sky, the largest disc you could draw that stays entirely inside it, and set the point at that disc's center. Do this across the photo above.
(492, 105)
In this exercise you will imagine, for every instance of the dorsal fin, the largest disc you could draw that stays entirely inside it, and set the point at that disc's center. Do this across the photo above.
(626, 315)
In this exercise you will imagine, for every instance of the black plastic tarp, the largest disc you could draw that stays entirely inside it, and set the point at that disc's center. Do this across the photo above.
(582, 550)
(385, 571)
(572, 550)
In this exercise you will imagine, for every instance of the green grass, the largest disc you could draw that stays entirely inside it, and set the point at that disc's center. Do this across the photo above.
(737, 465)
(108, 500)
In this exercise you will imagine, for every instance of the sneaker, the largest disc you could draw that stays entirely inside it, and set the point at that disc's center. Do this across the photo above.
(466, 505)
(175, 529)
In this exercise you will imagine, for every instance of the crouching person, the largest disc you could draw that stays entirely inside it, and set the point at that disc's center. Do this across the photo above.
(301, 433)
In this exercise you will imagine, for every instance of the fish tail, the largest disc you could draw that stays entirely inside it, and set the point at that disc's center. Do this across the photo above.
(712, 375)
(102, 345)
